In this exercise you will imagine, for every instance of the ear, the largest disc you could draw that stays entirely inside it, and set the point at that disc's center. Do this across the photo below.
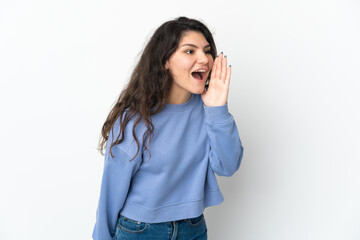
(167, 65)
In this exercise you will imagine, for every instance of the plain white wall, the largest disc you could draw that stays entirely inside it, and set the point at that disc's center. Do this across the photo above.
(294, 94)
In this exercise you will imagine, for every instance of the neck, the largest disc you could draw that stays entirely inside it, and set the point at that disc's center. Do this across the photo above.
(179, 98)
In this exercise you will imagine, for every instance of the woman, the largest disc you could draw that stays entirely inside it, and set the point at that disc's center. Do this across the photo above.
(166, 136)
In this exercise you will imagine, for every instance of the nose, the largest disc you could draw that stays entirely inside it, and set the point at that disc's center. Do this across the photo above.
(203, 58)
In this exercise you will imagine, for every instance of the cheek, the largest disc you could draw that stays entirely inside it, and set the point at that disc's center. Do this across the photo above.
(211, 60)
(182, 65)
(185, 66)
(188, 62)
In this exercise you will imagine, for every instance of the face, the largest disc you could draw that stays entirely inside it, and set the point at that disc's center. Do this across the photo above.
(192, 55)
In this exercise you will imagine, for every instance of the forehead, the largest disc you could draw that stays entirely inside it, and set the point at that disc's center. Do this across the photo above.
(192, 37)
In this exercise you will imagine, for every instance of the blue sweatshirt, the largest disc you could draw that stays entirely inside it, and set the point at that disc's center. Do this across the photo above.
(191, 142)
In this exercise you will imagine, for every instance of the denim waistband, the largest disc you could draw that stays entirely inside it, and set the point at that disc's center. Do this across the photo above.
(176, 221)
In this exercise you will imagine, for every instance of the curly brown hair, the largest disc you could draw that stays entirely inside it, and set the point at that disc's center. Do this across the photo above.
(148, 89)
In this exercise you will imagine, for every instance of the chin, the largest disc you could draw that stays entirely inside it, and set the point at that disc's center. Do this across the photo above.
(199, 90)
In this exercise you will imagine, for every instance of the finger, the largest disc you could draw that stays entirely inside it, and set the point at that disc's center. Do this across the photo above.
(228, 75)
(213, 71)
(223, 68)
(218, 65)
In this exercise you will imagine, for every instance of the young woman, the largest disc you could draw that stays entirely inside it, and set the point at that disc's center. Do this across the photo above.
(166, 136)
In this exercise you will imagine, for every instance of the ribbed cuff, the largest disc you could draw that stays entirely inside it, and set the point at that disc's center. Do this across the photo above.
(217, 114)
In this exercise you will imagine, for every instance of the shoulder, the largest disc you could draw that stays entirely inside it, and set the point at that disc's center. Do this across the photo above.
(128, 145)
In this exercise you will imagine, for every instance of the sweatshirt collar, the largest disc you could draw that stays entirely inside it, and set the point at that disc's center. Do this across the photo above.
(180, 107)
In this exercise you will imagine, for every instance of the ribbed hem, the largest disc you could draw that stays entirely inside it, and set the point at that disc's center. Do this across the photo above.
(171, 212)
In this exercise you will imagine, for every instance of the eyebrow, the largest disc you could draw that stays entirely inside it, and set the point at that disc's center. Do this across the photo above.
(192, 45)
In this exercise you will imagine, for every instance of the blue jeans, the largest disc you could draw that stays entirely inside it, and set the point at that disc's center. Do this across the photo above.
(185, 229)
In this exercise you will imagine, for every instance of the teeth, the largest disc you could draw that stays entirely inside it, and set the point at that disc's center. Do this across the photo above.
(200, 71)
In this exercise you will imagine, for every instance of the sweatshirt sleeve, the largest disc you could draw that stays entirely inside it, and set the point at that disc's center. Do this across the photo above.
(115, 184)
(226, 150)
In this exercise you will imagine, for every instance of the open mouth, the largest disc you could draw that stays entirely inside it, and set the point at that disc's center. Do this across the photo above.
(199, 75)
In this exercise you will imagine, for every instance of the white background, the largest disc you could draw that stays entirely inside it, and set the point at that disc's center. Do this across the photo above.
(294, 95)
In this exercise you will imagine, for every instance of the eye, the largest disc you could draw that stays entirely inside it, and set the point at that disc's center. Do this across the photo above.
(189, 51)
(208, 52)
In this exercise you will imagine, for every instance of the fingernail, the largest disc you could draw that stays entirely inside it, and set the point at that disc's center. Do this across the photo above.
(229, 65)
(225, 56)
(222, 53)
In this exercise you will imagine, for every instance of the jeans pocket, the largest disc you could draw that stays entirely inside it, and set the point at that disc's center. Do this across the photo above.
(196, 220)
(131, 226)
